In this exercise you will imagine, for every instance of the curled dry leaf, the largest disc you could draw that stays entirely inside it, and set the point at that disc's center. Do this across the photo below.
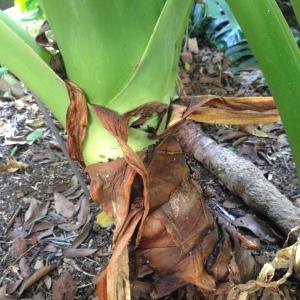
(36, 211)
(179, 232)
(77, 121)
(63, 206)
(64, 288)
(225, 110)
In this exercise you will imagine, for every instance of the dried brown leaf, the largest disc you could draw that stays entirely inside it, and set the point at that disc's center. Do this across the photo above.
(36, 211)
(24, 267)
(225, 110)
(64, 288)
(82, 236)
(77, 121)
(18, 248)
(84, 210)
(63, 206)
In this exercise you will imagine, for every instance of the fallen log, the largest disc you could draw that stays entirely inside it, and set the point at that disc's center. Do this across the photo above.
(240, 176)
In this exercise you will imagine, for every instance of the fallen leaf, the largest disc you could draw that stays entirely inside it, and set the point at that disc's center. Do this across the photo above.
(63, 206)
(4, 295)
(64, 288)
(24, 267)
(104, 220)
(35, 135)
(226, 110)
(48, 282)
(18, 248)
(12, 166)
(187, 57)
(84, 210)
(82, 236)
(36, 211)
(71, 252)
(193, 45)
(35, 123)
(257, 226)
(253, 130)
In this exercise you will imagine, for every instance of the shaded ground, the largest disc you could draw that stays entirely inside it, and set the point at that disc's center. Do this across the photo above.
(48, 174)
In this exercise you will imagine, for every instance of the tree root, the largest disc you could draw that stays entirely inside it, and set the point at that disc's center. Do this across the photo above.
(240, 176)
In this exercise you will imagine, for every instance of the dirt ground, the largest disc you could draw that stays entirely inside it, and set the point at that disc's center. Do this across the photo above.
(31, 192)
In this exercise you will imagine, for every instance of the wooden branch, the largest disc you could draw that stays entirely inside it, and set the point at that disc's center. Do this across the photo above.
(240, 176)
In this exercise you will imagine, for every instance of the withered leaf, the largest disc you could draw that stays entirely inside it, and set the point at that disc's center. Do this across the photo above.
(225, 110)
(4, 295)
(77, 121)
(36, 211)
(63, 206)
(18, 248)
(84, 211)
(64, 288)
(82, 236)
(24, 267)
(12, 166)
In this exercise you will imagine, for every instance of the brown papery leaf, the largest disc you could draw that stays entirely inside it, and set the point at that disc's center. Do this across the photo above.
(112, 187)
(63, 206)
(82, 236)
(225, 110)
(77, 121)
(36, 211)
(64, 288)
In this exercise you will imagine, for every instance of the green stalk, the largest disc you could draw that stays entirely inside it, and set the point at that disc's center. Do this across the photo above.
(278, 55)
(296, 7)
(21, 58)
(121, 53)
(24, 62)
(26, 37)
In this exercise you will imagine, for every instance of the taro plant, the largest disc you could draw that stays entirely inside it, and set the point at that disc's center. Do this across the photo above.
(121, 60)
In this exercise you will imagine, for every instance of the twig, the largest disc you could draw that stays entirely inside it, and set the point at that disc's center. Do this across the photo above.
(12, 219)
(36, 276)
